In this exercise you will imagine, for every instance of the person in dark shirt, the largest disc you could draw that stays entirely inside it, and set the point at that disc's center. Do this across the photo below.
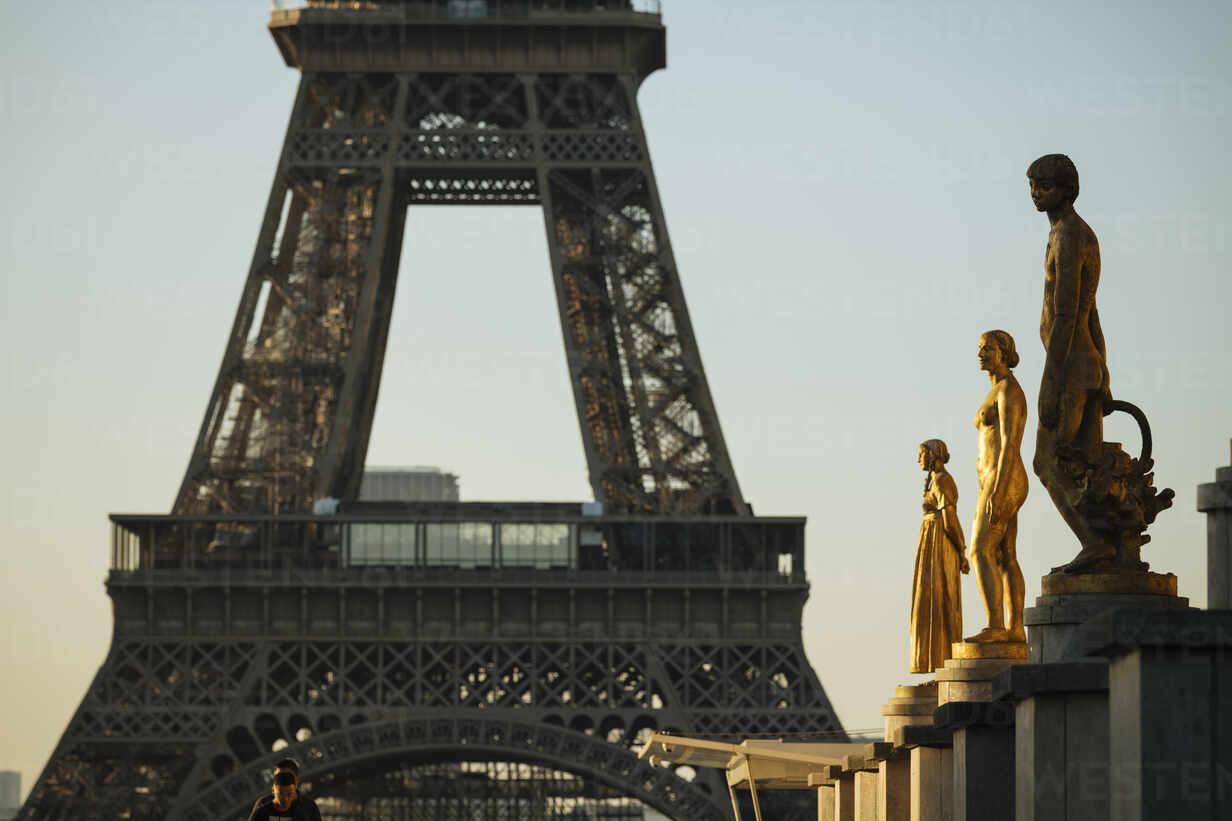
(285, 803)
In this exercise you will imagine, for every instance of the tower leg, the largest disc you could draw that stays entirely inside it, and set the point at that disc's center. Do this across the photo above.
(292, 408)
(652, 436)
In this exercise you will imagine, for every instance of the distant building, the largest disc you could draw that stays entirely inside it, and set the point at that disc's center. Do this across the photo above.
(10, 794)
(403, 484)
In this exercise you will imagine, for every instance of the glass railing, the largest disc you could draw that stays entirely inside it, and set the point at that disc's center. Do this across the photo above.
(438, 541)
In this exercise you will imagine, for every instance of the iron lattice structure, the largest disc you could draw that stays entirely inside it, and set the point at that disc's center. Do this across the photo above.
(292, 407)
(507, 657)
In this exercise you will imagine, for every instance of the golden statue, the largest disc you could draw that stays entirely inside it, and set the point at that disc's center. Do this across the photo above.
(936, 597)
(1001, 419)
(1105, 497)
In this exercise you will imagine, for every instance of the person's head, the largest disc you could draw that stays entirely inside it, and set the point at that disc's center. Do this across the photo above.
(286, 788)
(1054, 182)
(289, 765)
(933, 454)
(997, 347)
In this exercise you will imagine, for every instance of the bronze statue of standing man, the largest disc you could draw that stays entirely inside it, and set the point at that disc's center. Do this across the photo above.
(1074, 388)
(1106, 497)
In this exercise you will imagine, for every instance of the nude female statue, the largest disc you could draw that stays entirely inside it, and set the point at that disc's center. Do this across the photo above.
(1001, 419)
(936, 596)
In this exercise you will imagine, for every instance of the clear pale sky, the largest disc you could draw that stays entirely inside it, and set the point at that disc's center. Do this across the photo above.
(844, 185)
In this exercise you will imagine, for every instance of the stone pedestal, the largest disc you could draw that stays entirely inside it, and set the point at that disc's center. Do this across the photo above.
(911, 706)
(1215, 500)
(894, 788)
(983, 764)
(968, 675)
(1169, 712)
(1060, 739)
(825, 802)
(845, 797)
(932, 783)
(866, 795)
(1070, 600)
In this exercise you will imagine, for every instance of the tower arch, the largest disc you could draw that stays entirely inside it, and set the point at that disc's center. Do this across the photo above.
(375, 746)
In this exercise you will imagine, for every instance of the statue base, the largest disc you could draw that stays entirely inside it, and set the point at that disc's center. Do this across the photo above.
(989, 650)
(1071, 599)
(911, 706)
(968, 675)
(1137, 584)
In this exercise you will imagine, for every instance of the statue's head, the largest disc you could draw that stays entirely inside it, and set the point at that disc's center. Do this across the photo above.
(933, 454)
(1054, 181)
(997, 346)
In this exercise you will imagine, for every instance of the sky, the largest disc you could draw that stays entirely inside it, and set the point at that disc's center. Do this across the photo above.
(844, 185)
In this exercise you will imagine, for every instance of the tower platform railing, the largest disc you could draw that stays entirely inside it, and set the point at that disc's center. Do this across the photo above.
(517, 545)
(474, 9)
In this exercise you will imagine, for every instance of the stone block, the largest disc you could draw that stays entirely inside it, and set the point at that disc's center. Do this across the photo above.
(1024, 680)
(1060, 739)
(1169, 713)
(866, 796)
(970, 664)
(1118, 631)
(878, 750)
(932, 783)
(927, 736)
(1061, 755)
(845, 797)
(910, 706)
(971, 681)
(983, 758)
(857, 762)
(955, 715)
(825, 803)
(1054, 624)
(894, 788)
(983, 773)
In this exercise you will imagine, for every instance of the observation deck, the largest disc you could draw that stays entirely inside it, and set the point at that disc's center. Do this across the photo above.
(506, 540)
(455, 569)
(608, 36)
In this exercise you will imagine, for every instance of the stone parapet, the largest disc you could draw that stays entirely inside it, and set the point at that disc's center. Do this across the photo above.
(1117, 632)
(928, 736)
(1169, 732)
(957, 715)
(1026, 680)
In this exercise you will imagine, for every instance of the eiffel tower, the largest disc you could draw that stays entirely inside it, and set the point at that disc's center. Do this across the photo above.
(451, 660)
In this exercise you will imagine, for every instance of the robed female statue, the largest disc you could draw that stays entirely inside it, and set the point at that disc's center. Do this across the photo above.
(936, 598)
